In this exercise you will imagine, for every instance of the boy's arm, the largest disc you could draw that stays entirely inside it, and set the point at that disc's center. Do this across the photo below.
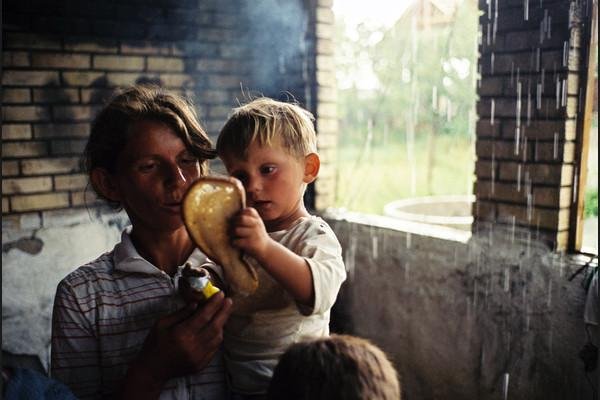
(289, 269)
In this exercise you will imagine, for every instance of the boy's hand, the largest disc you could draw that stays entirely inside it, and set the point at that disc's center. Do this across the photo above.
(249, 233)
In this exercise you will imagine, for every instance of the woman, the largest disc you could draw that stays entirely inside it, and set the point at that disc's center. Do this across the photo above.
(119, 327)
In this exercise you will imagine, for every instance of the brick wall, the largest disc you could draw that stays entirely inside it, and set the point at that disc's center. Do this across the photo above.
(530, 65)
(62, 60)
(326, 111)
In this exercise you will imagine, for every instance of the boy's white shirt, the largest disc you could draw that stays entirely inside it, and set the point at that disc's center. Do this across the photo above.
(254, 341)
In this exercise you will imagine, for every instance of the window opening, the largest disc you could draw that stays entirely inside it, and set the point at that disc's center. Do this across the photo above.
(406, 75)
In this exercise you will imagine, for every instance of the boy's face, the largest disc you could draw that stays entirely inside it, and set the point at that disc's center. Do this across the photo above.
(274, 182)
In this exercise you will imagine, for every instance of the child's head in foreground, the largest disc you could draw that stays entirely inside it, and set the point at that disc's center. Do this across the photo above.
(339, 367)
(270, 146)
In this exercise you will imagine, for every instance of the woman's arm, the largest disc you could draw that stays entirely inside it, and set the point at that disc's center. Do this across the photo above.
(75, 358)
(179, 344)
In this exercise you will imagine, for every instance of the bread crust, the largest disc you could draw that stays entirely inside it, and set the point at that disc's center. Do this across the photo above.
(207, 207)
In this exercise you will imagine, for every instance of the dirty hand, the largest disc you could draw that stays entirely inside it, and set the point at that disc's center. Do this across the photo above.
(184, 342)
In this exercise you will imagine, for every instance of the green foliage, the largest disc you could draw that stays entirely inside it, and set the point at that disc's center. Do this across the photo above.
(591, 203)
(426, 76)
(370, 177)
(409, 135)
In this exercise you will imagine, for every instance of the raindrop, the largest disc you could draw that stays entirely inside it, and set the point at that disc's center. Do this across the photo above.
(565, 53)
(512, 73)
(528, 105)
(492, 62)
(492, 111)
(538, 96)
(557, 92)
(349, 260)
(529, 206)
(575, 182)
(505, 378)
(512, 232)
(543, 79)
(526, 10)
(518, 119)
(538, 59)
(555, 148)
(385, 134)
(375, 247)
(489, 34)
(468, 309)
(561, 268)
(563, 101)
(506, 279)
(518, 178)
(408, 240)
(495, 28)
(549, 27)
(493, 172)
(282, 68)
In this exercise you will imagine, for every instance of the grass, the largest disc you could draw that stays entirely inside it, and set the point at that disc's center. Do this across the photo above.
(591, 203)
(369, 178)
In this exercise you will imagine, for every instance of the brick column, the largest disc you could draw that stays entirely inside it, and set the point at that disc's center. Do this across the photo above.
(326, 98)
(530, 66)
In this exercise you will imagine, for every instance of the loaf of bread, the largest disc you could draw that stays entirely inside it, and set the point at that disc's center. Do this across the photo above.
(207, 208)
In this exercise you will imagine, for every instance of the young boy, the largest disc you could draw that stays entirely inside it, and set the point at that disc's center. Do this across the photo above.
(270, 146)
(339, 367)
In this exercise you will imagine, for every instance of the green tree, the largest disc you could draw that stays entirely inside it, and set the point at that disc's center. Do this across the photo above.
(426, 74)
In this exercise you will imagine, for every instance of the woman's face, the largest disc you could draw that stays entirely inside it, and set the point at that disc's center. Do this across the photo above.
(154, 171)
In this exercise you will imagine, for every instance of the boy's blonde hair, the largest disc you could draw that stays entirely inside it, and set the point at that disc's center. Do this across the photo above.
(338, 367)
(265, 120)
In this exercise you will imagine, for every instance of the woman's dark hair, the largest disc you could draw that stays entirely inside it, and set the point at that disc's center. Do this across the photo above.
(112, 126)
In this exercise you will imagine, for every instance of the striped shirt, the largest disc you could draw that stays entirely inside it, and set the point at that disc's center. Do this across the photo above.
(102, 314)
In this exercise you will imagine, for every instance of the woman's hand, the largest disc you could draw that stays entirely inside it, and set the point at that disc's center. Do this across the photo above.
(179, 344)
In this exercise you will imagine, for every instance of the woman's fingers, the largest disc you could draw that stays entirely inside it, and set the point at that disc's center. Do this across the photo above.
(178, 316)
(206, 314)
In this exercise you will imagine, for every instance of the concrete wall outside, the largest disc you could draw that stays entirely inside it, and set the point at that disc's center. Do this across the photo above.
(456, 316)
